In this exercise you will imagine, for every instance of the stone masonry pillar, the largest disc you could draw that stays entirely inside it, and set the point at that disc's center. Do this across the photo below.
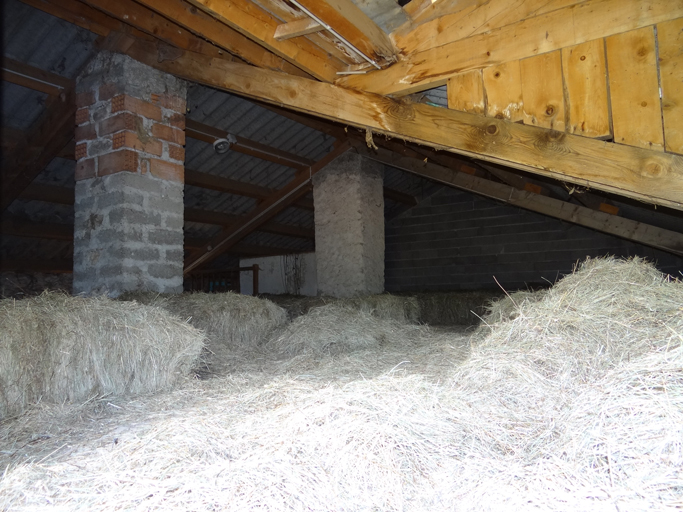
(128, 232)
(349, 227)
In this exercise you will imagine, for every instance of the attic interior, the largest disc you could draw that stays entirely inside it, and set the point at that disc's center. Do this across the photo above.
(287, 255)
(457, 211)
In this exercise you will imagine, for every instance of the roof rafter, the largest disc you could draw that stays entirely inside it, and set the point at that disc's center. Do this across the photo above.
(34, 78)
(258, 25)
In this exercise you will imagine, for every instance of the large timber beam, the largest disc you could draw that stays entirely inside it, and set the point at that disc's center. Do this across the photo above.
(257, 24)
(638, 173)
(353, 25)
(264, 212)
(666, 240)
(228, 220)
(572, 25)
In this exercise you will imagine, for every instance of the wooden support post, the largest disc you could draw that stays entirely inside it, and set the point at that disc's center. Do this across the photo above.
(254, 270)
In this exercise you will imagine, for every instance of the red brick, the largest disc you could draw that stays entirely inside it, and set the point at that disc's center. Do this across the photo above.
(82, 115)
(168, 133)
(177, 121)
(140, 107)
(170, 101)
(125, 121)
(85, 132)
(85, 168)
(107, 91)
(81, 151)
(167, 170)
(85, 99)
(530, 187)
(125, 160)
(132, 140)
(608, 208)
(176, 152)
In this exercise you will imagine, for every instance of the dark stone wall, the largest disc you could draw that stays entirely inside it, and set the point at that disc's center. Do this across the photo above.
(455, 240)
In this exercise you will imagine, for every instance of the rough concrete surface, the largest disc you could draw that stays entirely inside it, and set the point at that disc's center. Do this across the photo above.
(349, 227)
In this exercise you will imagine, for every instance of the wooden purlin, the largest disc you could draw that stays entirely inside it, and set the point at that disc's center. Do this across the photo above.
(265, 211)
(666, 240)
(634, 172)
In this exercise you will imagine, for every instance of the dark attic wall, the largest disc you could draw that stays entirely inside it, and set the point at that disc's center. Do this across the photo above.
(455, 240)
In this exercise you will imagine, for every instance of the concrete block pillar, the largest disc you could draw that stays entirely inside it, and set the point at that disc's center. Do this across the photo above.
(128, 232)
(349, 227)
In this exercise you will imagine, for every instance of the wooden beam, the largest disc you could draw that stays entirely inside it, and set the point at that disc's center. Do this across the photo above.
(579, 23)
(297, 28)
(48, 193)
(205, 26)
(240, 188)
(354, 26)
(634, 172)
(52, 231)
(669, 241)
(228, 220)
(34, 78)
(265, 211)
(259, 25)
(38, 265)
(209, 134)
(50, 134)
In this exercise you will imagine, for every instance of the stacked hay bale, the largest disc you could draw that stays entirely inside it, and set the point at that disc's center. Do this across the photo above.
(233, 323)
(59, 348)
(454, 308)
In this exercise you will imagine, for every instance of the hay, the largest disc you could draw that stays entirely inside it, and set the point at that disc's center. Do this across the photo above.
(574, 404)
(342, 327)
(232, 322)
(454, 308)
(60, 348)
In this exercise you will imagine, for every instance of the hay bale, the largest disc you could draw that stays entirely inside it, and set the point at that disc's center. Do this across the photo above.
(233, 323)
(340, 327)
(387, 307)
(454, 308)
(60, 348)
(297, 305)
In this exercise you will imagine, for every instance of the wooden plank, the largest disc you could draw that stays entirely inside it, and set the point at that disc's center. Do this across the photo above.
(221, 184)
(354, 26)
(221, 35)
(503, 89)
(34, 78)
(645, 175)
(258, 25)
(229, 220)
(78, 14)
(542, 91)
(585, 78)
(585, 21)
(477, 19)
(670, 38)
(466, 92)
(200, 131)
(634, 89)
(47, 230)
(666, 240)
(297, 28)
(48, 193)
(262, 213)
(63, 266)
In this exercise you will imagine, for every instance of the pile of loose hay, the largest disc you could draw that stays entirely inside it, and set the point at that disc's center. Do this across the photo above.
(575, 403)
(342, 327)
(59, 348)
(454, 308)
(232, 322)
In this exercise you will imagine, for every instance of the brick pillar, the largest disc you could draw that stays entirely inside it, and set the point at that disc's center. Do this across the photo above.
(128, 232)
(349, 227)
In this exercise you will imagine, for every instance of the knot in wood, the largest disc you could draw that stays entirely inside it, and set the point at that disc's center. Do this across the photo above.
(492, 129)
